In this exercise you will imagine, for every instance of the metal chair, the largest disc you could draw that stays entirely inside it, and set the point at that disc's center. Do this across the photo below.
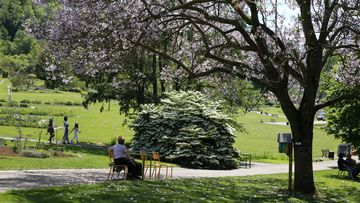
(115, 168)
(245, 160)
(146, 164)
(156, 166)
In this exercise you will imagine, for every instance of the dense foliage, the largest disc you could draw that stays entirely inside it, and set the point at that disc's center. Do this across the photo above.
(18, 50)
(236, 93)
(342, 118)
(189, 129)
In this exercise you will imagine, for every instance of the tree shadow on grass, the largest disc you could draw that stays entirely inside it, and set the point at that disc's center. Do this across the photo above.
(41, 178)
(230, 189)
(342, 177)
(78, 149)
(181, 190)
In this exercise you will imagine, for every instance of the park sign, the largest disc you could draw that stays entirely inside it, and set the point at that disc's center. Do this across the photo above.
(284, 140)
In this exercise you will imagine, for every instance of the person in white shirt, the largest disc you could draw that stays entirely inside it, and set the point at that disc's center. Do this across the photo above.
(121, 157)
(76, 131)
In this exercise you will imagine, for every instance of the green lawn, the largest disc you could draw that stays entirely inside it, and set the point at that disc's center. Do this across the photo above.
(261, 188)
(260, 139)
(83, 158)
(44, 96)
(94, 126)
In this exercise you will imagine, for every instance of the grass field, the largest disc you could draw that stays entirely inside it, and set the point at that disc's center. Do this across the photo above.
(81, 158)
(259, 139)
(261, 188)
(94, 126)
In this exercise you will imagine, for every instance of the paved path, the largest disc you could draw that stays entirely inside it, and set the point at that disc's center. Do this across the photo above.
(24, 179)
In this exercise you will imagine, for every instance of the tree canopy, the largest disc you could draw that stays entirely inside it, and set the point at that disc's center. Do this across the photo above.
(19, 50)
(261, 41)
(343, 122)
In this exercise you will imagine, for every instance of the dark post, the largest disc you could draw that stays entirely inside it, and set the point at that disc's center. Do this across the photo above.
(286, 146)
(290, 166)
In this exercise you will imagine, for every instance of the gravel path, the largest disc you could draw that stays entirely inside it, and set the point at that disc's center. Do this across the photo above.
(24, 179)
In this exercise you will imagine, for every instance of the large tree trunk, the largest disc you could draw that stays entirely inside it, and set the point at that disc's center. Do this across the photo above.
(301, 122)
(302, 132)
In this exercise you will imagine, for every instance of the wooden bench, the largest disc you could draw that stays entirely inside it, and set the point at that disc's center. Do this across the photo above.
(325, 153)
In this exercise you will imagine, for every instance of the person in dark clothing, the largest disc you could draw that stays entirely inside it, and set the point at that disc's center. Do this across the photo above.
(347, 165)
(121, 157)
(66, 131)
(51, 130)
(349, 161)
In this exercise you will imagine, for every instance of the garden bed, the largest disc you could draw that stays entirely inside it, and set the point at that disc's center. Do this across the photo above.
(6, 151)
(35, 153)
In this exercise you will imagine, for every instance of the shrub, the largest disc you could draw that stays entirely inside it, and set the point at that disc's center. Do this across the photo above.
(24, 105)
(16, 120)
(13, 104)
(188, 129)
(25, 101)
(113, 141)
(36, 102)
(75, 89)
(77, 103)
(67, 103)
(34, 154)
(36, 111)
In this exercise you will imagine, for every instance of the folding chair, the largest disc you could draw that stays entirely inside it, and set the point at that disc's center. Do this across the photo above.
(157, 166)
(146, 164)
(116, 168)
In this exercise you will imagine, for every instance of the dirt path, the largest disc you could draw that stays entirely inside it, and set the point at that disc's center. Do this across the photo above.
(24, 179)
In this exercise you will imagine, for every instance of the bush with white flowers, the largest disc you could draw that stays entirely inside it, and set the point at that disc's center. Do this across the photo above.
(188, 129)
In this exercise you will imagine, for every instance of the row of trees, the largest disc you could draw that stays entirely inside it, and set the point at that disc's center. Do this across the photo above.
(22, 55)
(18, 50)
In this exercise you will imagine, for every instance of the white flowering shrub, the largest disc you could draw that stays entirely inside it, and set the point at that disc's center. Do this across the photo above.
(188, 129)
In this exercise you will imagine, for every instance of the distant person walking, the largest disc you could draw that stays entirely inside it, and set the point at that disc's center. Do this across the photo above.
(66, 131)
(51, 130)
(76, 131)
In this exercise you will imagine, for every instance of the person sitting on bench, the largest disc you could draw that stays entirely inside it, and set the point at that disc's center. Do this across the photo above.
(347, 165)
